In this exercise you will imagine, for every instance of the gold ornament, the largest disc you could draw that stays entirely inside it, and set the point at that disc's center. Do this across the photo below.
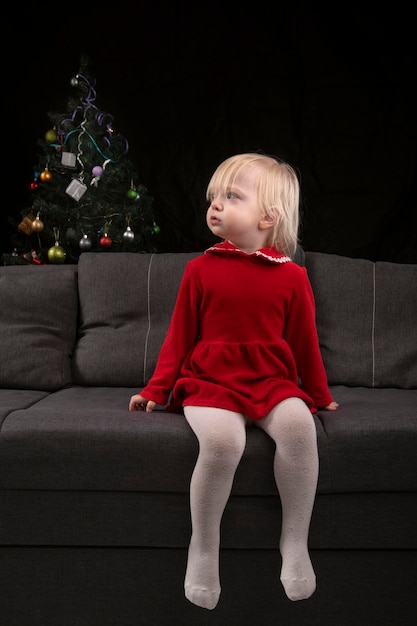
(46, 176)
(37, 224)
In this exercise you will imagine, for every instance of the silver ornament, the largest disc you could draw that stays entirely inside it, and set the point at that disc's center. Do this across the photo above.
(128, 235)
(85, 243)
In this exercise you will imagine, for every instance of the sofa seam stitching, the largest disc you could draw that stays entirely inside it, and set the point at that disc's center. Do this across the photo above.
(148, 331)
(373, 324)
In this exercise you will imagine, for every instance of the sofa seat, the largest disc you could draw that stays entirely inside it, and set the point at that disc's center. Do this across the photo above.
(79, 460)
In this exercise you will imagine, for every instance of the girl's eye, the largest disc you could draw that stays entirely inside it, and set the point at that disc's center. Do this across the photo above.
(230, 195)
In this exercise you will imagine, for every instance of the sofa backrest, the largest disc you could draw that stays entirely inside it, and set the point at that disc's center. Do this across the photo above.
(38, 325)
(366, 320)
(102, 322)
(126, 302)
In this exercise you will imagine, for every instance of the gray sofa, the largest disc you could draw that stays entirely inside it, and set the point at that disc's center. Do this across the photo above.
(94, 510)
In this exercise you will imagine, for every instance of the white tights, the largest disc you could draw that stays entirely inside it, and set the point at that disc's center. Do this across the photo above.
(222, 438)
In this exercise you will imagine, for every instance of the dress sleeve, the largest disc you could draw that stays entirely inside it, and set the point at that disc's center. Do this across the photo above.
(181, 336)
(301, 335)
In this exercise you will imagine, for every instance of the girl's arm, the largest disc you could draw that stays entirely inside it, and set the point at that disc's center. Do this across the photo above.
(301, 334)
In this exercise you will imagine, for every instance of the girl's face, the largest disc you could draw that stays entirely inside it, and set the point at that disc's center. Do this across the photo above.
(235, 214)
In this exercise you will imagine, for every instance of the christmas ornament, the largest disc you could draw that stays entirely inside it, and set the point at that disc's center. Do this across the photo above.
(56, 254)
(37, 224)
(46, 176)
(74, 81)
(156, 230)
(32, 257)
(76, 189)
(132, 194)
(71, 236)
(68, 159)
(34, 185)
(105, 241)
(97, 171)
(51, 135)
(85, 243)
(25, 225)
(128, 235)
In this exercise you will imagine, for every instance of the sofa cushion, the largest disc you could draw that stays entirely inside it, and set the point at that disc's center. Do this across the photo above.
(369, 444)
(126, 302)
(38, 325)
(366, 320)
(14, 399)
(395, 336)
(84, 438)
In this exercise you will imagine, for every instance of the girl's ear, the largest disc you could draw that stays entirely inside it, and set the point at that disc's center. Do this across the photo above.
(267, 221)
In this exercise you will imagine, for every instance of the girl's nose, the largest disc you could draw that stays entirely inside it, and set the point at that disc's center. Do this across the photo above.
(216, 204)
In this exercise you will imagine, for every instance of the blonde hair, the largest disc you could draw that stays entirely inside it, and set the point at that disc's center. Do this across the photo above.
(278, 194)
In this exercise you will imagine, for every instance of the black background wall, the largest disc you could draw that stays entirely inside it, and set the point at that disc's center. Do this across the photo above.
(331, 90)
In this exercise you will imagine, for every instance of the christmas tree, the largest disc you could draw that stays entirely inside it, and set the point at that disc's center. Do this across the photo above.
(85, 193)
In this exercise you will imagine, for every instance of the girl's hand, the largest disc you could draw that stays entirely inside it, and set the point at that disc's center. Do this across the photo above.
(332, 406)
(139, 403)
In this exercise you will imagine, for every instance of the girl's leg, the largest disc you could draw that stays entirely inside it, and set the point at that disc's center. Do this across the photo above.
(290, 424)
(221, 436)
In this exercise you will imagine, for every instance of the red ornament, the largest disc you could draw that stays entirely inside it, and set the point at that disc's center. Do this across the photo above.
(105, 242)
(34, 185)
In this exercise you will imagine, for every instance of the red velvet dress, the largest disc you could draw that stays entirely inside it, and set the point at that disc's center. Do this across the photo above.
(242, 336)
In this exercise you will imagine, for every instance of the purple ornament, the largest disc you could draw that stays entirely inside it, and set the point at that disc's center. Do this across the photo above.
(97, 171)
